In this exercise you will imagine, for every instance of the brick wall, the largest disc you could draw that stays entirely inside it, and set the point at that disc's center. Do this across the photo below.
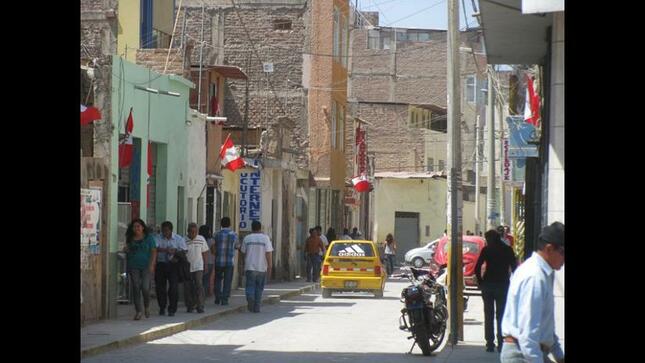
(155, 59)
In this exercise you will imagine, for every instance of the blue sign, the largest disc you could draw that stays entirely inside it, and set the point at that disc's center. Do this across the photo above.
(523, 138)
(250, 196)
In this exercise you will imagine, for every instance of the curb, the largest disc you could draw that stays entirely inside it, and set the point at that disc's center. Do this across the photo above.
(186, 325)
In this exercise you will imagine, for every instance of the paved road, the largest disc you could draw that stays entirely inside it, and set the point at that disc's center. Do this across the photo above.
(346, 328)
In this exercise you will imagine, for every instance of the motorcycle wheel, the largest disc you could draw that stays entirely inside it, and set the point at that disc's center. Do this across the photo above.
(420, 332)
(437, 336)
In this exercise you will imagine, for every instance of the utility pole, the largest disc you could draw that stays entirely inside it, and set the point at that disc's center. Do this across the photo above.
(502, 154)
(455, 201)
(478, 154)
(490, 182)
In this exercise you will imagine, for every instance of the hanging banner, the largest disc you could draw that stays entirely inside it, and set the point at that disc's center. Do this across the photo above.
(361, 155)
(507, 162)
(91, 220)
(523, 138)
(250, 196)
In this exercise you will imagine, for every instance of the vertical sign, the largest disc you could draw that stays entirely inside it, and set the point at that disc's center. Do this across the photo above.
(507, 162)
(361, 157)
(250, 195)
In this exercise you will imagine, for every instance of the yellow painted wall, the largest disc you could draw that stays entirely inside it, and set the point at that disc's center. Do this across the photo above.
(424, 196)
(129, 28)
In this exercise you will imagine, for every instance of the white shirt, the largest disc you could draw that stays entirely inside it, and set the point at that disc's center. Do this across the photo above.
(347, 237)
(176, 241)
(528, 315)
(325, 242)
(196, 247)
(255, 246)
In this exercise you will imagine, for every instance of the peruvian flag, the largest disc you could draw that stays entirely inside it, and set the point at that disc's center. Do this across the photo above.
(231, 159)
(361, 184)
(125, 146)
(532, 105)
(89, 114)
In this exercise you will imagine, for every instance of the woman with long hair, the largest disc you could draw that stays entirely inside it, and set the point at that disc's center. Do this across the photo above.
(141, 250)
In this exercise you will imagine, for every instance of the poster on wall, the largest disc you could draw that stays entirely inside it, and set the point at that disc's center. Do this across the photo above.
(523, 138)
(91, 220)
(250, 196)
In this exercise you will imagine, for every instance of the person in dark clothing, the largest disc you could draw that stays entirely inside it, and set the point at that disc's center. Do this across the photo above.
(500, 261)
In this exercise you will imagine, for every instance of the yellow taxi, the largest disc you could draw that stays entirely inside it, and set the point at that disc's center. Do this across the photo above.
(352, 265)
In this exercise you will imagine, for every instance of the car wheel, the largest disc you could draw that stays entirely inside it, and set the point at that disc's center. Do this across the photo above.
(326, 293)
(418, 262)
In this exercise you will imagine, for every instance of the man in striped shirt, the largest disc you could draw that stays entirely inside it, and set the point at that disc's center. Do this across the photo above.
(224, 251)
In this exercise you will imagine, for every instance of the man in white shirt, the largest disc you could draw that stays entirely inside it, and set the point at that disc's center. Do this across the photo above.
(197, 256)
(324, 239)
(528, 325)
(167, 272)
(257, 252)
(346, 235)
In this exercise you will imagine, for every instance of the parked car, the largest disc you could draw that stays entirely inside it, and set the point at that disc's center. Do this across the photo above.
(352, 266)
(472, 246)
(421, 256)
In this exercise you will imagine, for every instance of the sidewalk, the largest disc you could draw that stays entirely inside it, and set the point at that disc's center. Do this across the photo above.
(472, 348)
(106, 335)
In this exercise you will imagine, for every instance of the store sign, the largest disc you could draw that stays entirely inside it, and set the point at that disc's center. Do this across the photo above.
(507, 162)
(523, 138)
(91, 220)
(361, 146)
(250, 196)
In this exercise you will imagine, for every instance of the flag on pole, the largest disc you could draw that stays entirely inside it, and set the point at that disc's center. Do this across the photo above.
(532, 105)
(89, 114)
(125, 146)
(361, 184)
(231, 159)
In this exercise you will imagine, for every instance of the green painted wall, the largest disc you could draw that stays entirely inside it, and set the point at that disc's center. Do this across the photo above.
(159, 118)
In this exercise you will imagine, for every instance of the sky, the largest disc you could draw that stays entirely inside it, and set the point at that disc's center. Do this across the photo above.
(424, 14)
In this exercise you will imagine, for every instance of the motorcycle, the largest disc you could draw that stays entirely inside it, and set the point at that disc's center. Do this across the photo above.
(425, 314)
(440, 273)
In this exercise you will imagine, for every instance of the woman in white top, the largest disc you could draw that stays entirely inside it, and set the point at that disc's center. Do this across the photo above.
(390, 253)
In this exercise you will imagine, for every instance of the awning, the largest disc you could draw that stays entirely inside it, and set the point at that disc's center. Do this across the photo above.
(233, 72)
(512, 37)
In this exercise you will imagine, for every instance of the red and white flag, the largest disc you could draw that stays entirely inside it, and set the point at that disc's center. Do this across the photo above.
(125, 146)
(89, 114)
(231, 159)
(532, 105)
(361, 184)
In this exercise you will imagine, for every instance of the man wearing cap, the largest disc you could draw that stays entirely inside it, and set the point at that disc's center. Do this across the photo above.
(528, 325)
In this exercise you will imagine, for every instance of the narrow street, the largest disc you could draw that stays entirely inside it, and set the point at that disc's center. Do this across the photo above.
(307, 328)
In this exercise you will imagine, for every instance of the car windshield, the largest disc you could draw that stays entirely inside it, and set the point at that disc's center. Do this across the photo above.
(469, 247)
(352, 250)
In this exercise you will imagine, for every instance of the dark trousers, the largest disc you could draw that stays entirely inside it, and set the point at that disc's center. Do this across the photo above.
(166, 286)
(389, 267)
(140, 282)
(222, 293)
(194, 290)
(494, 296)
(313, 267)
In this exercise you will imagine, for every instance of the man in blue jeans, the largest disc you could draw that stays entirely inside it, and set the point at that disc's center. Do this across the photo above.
(224, 251)
(258, 259)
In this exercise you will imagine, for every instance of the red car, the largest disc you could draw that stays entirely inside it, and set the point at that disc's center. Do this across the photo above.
(472, 248)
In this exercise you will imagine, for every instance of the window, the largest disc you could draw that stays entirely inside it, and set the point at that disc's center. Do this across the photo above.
(282, 24)
(336, 35)
(373, 39)
(430, 164)
(470, 89)
(352, 250)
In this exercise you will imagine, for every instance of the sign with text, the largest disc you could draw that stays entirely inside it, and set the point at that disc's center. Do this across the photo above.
(507, 162)
(523, 138)
(250, 196)
(361, 147)
(91, 220)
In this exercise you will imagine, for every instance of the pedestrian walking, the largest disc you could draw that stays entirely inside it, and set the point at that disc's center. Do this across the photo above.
(390, 253)
(323, 238)
(258, 260)
(209, 270)
(197, 257)
(226, 243)
(355, 233)
(141, 252)
(503, 236)
(167, 272)
(500, 262)
(509, 236)
(528, 325)
(346, 235)
(330, 236)
(313, 245)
